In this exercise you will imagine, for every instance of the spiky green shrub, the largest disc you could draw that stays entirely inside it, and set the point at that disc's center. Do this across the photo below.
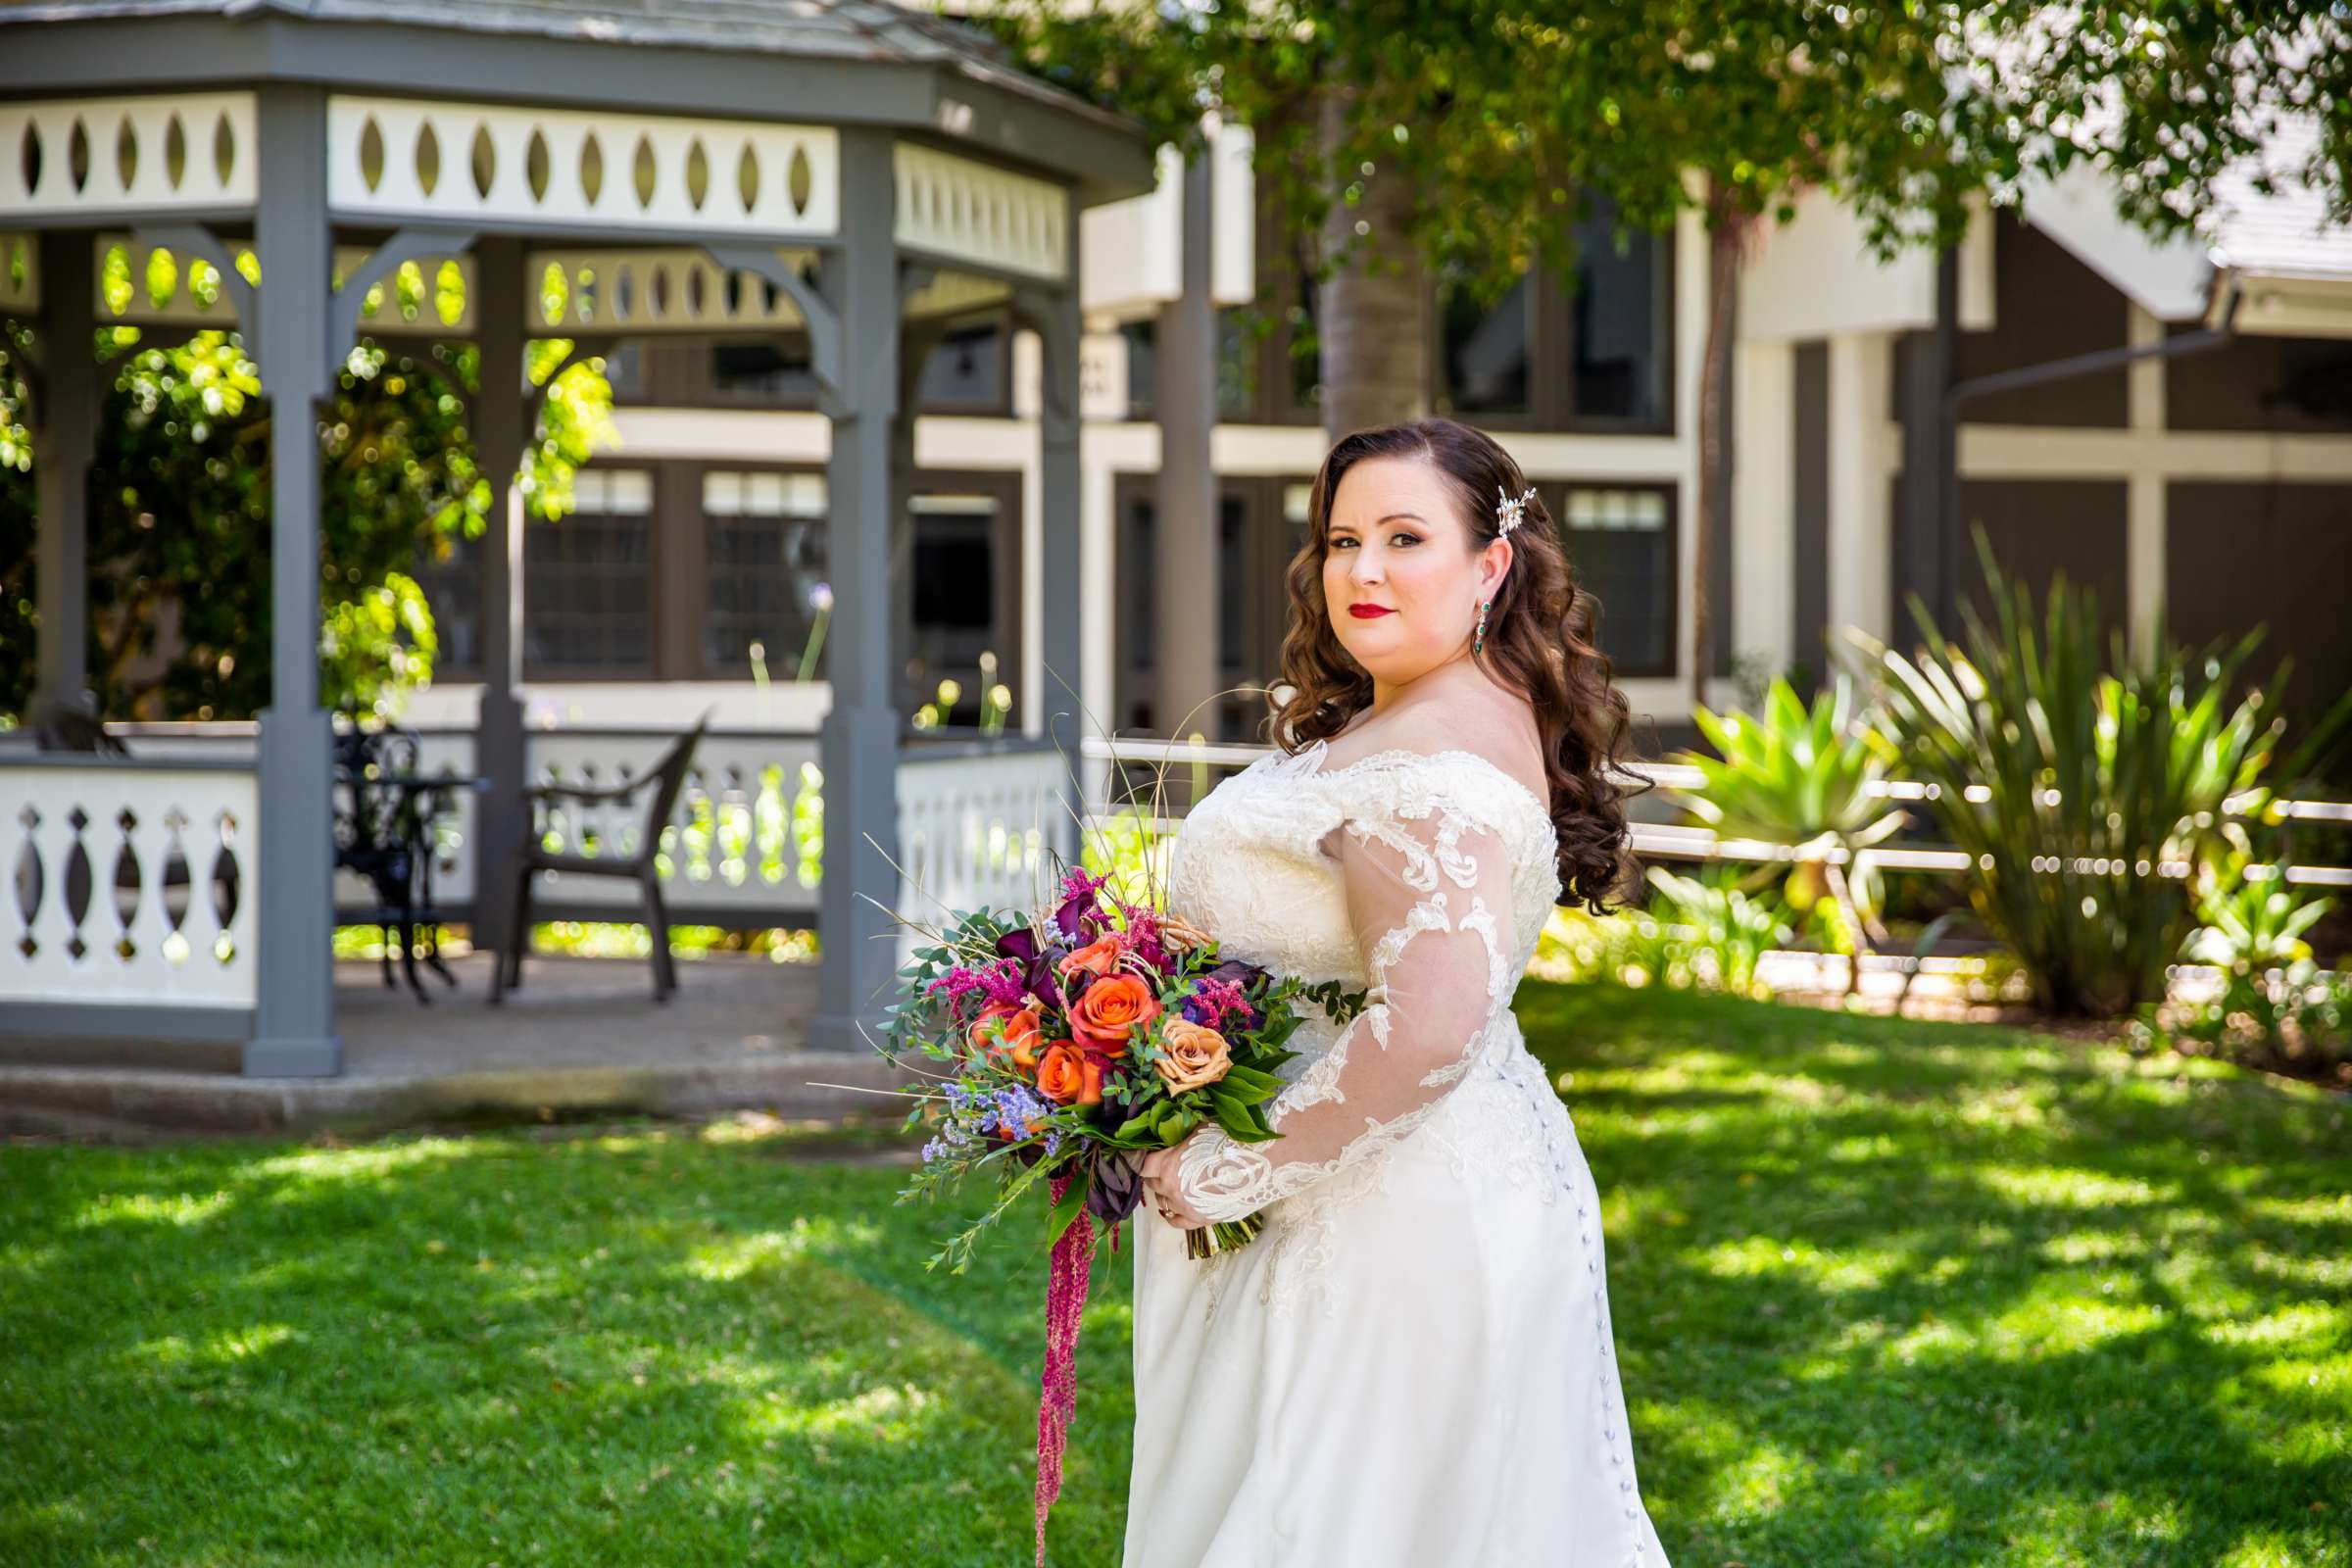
(1802, 776)
(2103, 776)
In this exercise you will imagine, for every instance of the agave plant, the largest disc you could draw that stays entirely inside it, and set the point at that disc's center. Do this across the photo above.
(1806, 777)
(2251, 921)
(1723, 930)
(2100, 779)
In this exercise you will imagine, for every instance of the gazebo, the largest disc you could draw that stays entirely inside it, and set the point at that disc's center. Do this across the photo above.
(838, 168)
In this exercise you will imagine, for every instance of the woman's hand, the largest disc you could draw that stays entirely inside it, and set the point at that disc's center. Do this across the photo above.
(1161, 1187)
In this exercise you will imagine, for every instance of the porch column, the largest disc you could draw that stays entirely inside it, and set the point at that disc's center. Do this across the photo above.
(1063, 684)
(67, 443)
(1184, 522)
(859, 744)
(916, 341)
(1928, 534)
(294, 1027)
(501, 417)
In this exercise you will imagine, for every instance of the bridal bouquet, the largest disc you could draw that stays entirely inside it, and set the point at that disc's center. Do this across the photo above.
(1077, 1039)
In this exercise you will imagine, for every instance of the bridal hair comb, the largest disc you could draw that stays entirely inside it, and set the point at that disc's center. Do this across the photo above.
(1509, 513)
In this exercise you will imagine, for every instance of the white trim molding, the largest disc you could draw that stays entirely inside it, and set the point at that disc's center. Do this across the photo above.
(410, 159)
(190, 152)
(959, 210)
(1864, 447)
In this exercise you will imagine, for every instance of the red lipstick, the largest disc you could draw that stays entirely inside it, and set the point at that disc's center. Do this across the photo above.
(1367, 612)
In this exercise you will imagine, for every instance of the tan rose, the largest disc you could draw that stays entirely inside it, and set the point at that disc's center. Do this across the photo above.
(1178, 935)
(1191, 1056)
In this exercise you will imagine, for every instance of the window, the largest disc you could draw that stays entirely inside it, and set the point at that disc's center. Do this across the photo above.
(774, 370)
(965, 610)
(588, 588)
(765, 591)
(1484, 351)
(1621, 546)
(1143, 365)
(1587, 350)
(1260, 524)
(1620, 325)
(967, 371)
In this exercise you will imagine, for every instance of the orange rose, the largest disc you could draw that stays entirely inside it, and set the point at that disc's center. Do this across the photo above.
(1108, 1008)
(982, 1032)
(1069, 1075)
(1193, 1054)
(1098, 956)
(1021, 1035)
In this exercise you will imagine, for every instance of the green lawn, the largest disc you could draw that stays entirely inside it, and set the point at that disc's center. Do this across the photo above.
(1885, 1294)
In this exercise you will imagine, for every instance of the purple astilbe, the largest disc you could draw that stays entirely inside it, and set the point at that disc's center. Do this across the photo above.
(1058, 1385)
(1214, 1000)
(1143, 935)
(1006, 981)
(958, 983)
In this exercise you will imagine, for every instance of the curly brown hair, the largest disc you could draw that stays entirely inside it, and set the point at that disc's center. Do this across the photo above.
(1539, 643)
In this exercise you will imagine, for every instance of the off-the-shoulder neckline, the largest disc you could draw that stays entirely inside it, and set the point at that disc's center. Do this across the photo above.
(1321, 746)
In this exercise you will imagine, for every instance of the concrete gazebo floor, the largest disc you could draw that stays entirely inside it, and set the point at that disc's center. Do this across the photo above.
(583, 1037)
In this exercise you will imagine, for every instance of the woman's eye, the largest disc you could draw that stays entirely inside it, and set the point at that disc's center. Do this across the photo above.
(1410, 539)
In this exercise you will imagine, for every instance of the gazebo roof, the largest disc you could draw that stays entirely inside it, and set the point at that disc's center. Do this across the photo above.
(850, 62)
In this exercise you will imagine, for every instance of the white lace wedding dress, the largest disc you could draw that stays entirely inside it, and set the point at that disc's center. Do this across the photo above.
(1412, 1365)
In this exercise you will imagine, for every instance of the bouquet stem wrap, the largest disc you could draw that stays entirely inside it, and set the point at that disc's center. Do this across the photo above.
(1057, 1399)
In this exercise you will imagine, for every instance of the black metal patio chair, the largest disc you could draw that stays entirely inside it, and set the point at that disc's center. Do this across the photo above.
(384, 824)
(663, 782)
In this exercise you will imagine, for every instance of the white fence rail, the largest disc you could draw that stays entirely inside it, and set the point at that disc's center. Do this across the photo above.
(131, 883)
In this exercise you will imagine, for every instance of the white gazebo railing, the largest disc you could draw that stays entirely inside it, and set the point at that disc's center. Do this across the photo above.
(130, 887)
(136, 894)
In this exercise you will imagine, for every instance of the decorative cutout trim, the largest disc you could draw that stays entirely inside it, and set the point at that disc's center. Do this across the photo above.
(454, 162)
(965, 211)
(188, 152)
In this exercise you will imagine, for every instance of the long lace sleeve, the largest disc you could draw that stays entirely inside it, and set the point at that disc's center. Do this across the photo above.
(1428, 891)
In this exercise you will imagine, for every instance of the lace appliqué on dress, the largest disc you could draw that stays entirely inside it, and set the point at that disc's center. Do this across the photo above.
(1439, 982)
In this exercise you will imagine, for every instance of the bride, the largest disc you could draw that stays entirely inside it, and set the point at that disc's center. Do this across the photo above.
(1411, 1364)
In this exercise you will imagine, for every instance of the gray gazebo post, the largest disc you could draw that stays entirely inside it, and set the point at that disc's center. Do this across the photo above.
(294, 1019)
(67, 415)
(860, 738)
(1053, 313)
(502, 427)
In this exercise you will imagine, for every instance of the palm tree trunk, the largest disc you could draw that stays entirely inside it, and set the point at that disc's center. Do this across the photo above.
(1725, 234)
(1372, 320)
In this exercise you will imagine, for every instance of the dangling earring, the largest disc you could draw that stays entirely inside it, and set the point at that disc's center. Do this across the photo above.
(1479, 644)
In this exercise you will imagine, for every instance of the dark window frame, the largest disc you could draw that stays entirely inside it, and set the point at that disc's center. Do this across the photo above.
(1551, 350)
(1262, 599)
(658, 476)
(697, 474)
(1005, 486)
(1555, 499)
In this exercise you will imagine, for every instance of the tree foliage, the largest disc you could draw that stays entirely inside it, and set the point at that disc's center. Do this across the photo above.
(179, 519)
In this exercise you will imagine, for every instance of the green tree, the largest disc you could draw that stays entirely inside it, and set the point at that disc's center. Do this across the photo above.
(1470, 136)
(180, 524)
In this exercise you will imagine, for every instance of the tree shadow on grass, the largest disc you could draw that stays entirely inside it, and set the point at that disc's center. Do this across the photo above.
(2044, 1313)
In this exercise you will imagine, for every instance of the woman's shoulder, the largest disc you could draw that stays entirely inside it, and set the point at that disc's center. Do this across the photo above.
(1460, 732)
